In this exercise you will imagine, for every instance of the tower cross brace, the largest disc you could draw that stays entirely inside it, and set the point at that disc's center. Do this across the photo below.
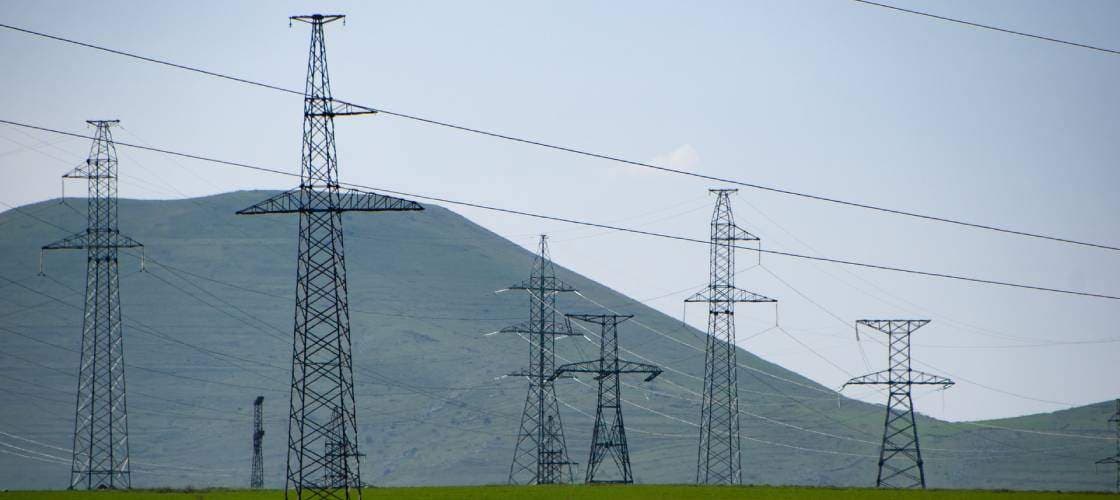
(718, 458)
(608, 436)
(321, 409)
(900, 456)
(541, 453)
(100, 453)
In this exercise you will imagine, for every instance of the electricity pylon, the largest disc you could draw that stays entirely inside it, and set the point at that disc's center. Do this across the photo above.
(900, 457)
(322, 371)
(718, 459)
(1115, 459)
(541, 454)
(608, 437)
(256, 476)
(100, 457)
(336, 450)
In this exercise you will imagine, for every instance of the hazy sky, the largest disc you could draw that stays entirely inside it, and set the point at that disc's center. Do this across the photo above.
(830, 97)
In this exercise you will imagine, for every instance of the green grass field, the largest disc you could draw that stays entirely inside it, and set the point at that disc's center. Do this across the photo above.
(571, 492)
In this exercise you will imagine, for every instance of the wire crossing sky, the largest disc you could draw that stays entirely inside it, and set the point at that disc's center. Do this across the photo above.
(599, 225)
(994, 28)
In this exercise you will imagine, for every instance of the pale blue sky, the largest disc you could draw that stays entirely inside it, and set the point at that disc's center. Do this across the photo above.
(829, 97)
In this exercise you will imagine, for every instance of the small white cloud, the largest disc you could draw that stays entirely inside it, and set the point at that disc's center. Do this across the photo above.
(684, 157)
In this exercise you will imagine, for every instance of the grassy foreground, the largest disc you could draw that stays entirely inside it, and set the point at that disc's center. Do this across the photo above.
(569, 492)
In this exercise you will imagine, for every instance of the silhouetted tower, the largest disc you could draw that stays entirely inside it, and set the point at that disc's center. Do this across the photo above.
(256, 477)
(322, 373)
(608, 438)
(1115, 459)
(719, 460)
(100, 457)
(541, 455)
(900, 457)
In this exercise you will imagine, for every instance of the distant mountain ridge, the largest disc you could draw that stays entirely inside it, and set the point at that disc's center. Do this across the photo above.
(208, 328)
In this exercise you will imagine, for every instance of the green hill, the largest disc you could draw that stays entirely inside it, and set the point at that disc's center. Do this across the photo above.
(208, 328)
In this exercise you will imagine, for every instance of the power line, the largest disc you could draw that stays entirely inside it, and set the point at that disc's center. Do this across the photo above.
(601, 156)
(599, 225)
(985, 26)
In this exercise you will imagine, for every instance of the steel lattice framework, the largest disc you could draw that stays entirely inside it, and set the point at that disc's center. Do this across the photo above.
(1114, 420)
(322, 389)
(541, 454)
(719, 460)
(100, 457)
(900, 457)
(256, 475)
(608, 437)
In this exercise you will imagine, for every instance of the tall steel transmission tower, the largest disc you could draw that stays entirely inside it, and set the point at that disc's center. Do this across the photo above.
(719, 460)
(900, 457)
(256, 476)
(1115, 459)
(101, 417)
(541, 455)
(322, 372)
(608, 437)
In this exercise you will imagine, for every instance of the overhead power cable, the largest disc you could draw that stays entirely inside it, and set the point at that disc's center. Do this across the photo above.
(587, 153)
(595, 224)
(988, 27)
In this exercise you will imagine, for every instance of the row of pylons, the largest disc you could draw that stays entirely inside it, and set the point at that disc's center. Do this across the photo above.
(323, 460)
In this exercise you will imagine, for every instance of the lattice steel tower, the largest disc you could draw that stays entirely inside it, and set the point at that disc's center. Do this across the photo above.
(900, 457)
(719, 460)
(256, 476)
(322, 373)
(1115, 459)
(100, 457)
(608, 437)
(541, 455)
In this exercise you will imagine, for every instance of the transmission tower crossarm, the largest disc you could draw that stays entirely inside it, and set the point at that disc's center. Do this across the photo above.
(727, 294)
(923, 378)
(340, 108)
(593, 366)
(884, 378)
(890, 326)
(563, 329)
(80, 241)
(87, 170)
(735, 233)
(634, 367)
(878, 378)
(546, 284)
(318, 18)
(338, 200)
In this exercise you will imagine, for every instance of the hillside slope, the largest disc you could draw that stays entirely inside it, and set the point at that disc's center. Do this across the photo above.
(208, 328)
